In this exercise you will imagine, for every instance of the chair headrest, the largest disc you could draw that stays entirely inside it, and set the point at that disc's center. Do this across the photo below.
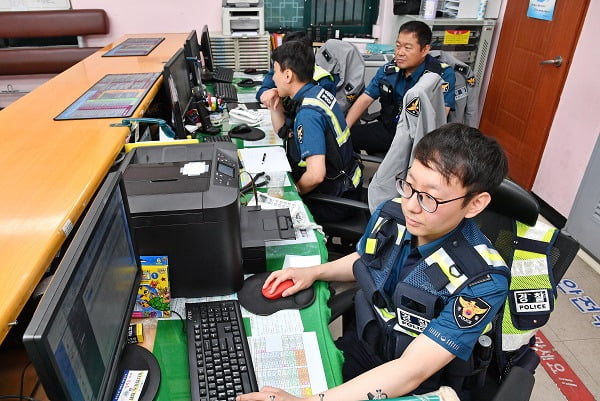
(512, 200)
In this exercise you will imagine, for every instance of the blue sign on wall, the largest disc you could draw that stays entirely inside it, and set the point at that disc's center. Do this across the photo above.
(541, 9)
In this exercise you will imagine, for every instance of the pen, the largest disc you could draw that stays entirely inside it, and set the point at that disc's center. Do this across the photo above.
(264, 157)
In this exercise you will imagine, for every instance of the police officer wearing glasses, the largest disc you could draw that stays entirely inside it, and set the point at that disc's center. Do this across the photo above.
(429, 282)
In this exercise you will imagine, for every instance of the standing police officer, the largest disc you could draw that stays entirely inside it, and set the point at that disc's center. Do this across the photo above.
(390, 83)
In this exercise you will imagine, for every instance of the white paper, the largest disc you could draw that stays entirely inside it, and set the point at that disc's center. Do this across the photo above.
(301, 261)
(266, 158)
(194, 168)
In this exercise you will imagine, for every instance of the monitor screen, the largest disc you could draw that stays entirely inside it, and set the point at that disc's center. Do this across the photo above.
(191, 50)
(206, 50)
(79, 329)
(179, 91)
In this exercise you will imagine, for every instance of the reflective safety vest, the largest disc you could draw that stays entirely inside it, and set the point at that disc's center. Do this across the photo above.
(388, 323)
(531, 296)
(320, 73)
(343, 172)
(391, 104)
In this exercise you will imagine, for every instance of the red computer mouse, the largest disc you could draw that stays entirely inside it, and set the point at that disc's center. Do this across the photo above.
(284, 285)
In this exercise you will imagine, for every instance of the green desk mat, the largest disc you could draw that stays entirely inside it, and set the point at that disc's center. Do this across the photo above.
(170, 346)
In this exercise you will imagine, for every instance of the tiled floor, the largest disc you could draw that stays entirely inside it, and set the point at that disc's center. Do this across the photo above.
(573, 334)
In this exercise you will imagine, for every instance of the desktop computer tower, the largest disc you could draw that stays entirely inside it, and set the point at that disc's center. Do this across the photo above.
(184, 203)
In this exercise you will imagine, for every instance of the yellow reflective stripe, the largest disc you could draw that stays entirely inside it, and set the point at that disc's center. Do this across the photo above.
(490, 255)
(541, 281)
(540, 232)
(356, 177)
(370, 246)
(384, 313)
(341, 136)
(401, 229)
(320, 73)
(445, 262)
(302, 163)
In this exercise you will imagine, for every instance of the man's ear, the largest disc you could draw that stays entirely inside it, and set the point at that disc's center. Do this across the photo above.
(288, 75)
(477, 204)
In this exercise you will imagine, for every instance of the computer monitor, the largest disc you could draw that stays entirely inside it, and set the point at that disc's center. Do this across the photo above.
(206, 50)
(78, 332)
(179, 91)
(191, 50)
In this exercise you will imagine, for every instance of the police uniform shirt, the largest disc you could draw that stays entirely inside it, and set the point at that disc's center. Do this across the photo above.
(403, 83)
(309, 128)
(466, 314)
(326, 82)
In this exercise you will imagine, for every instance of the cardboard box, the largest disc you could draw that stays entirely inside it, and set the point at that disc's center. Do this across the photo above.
(153, 298)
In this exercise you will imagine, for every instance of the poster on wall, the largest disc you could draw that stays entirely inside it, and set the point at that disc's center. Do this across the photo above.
(541, 9)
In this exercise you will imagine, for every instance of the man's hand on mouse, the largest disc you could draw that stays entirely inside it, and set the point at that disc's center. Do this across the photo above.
(302, 278)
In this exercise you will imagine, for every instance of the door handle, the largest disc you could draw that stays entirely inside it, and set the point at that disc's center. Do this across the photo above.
(557, 61)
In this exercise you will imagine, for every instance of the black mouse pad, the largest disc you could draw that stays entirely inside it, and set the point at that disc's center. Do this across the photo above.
(251, 297)
(253, 134)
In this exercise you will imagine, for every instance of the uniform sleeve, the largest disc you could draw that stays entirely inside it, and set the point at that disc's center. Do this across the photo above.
(467, 314)
(267, 84)
(449, 95)
(310, 133)
(373, 88)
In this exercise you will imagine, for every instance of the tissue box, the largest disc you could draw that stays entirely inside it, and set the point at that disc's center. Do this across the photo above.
(153, 298)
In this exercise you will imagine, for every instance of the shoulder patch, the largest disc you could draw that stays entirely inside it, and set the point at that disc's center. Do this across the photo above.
(469, 311)
(445, 86)
(460, 93)
(326, 98)
(300, 132)
(414, 107)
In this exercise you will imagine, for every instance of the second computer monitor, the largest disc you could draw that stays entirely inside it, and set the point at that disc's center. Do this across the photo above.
(206, 50)
(191, 49)
(178, 89)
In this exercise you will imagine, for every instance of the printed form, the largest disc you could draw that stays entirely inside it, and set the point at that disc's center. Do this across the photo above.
(284, 356)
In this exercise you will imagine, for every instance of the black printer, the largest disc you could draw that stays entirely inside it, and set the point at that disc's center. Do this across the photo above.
(184, 203)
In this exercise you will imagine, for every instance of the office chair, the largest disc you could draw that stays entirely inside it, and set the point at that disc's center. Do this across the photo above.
(509, 202)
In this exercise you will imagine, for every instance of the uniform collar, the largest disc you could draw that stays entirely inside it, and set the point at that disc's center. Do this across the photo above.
(429, 248)
(416, 74)
(300, 94)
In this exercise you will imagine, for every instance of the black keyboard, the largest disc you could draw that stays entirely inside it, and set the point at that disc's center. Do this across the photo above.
(222, 74)
(226, 91)
(219, 356)
(217, 138)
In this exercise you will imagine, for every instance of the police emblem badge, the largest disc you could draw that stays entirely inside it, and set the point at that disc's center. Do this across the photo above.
(468, 312)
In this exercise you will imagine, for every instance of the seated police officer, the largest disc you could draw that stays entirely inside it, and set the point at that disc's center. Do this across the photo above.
(317, 140)
(391, 82)
(429, 282)
(267, 93)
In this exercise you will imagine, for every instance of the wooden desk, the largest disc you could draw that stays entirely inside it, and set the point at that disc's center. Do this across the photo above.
(51, 169)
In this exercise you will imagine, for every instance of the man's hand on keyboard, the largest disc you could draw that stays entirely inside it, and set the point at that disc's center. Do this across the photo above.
(268, 394)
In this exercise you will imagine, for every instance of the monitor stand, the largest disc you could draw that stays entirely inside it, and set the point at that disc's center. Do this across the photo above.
(135, 357)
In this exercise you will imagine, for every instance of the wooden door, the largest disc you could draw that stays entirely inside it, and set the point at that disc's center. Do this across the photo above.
(523, 94)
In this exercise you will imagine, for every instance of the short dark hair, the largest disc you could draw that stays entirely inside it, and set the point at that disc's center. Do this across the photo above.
(299, 36)
(297, 57)
(457, 150)
(420, 29)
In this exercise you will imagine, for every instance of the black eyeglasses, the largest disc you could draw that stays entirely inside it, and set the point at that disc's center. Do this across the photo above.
(427, 202)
